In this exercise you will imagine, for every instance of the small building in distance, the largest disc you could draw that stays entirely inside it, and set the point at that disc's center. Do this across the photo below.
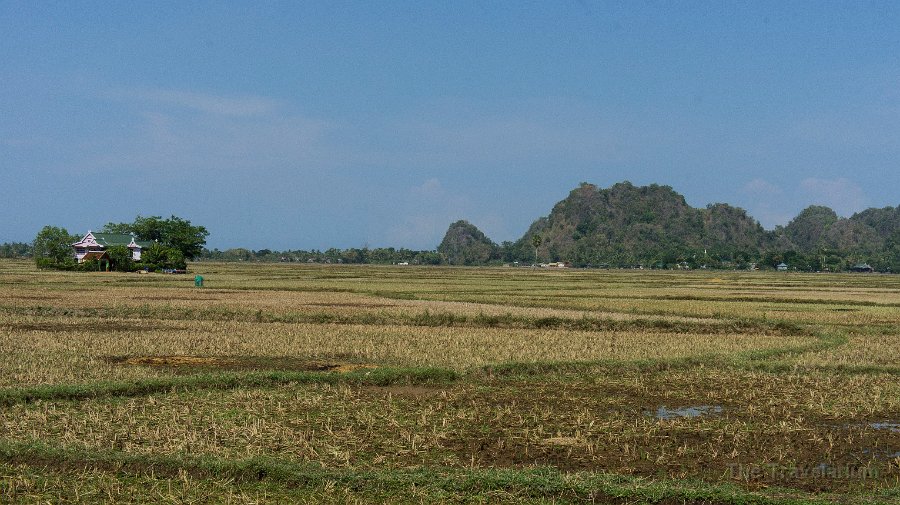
(782, 267)
(862, 267)
(92, 245)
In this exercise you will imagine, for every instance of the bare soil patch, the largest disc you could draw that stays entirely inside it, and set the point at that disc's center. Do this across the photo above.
(237, 363)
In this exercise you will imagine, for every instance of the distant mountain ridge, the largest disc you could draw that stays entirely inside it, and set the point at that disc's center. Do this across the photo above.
(653, 226)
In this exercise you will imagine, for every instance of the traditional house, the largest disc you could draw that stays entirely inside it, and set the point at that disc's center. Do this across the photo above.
(862, 267)
(94, 245)
(782, 267)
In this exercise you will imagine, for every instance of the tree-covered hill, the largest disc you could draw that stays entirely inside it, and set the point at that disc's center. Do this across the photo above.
(465, 244)
(653, 226)
(807, 231)
(627, 225)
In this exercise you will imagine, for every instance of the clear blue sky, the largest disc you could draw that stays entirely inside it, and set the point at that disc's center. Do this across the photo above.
(318, 124)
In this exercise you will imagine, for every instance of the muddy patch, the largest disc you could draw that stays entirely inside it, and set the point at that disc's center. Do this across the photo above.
(237, 363)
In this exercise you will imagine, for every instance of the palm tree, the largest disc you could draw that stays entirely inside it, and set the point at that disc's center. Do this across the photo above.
(536, 241)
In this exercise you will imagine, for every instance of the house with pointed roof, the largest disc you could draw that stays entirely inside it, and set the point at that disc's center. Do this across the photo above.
(94, 245)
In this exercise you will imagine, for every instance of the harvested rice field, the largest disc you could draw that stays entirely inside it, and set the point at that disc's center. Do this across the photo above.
(285, 383)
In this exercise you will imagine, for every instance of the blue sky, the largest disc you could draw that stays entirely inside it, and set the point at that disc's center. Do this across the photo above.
(317, 124)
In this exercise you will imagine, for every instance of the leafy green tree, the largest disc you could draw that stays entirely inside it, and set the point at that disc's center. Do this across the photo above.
(158, 256)
(354, 255)
(239, 254)
(120, 258)
(52, 248)
(428, 258)
(15, 250)
(507, 251)
(173, 232)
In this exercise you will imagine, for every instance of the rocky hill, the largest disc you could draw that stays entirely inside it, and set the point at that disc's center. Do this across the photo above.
(627, 224)
(653, 226)
(465, 244)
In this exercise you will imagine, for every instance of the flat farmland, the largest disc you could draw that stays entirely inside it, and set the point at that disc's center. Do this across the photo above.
(333, 383)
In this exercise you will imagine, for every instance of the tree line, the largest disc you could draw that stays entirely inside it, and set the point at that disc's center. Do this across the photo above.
(353, 255)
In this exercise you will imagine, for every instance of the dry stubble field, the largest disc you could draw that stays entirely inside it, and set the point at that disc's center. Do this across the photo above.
(311, 383)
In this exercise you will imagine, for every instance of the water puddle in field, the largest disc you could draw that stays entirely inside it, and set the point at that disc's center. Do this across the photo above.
(889, 451)
(664, 413)
(890, 426)
(880, 454)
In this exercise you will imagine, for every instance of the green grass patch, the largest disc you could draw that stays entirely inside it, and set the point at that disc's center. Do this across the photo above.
(375, 377)
(438, 484)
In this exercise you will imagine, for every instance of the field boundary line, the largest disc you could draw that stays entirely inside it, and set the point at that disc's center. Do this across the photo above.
(224, 381)
(426, 318)
(748, 360)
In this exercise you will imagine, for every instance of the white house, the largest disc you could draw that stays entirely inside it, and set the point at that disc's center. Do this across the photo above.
(97, 243)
